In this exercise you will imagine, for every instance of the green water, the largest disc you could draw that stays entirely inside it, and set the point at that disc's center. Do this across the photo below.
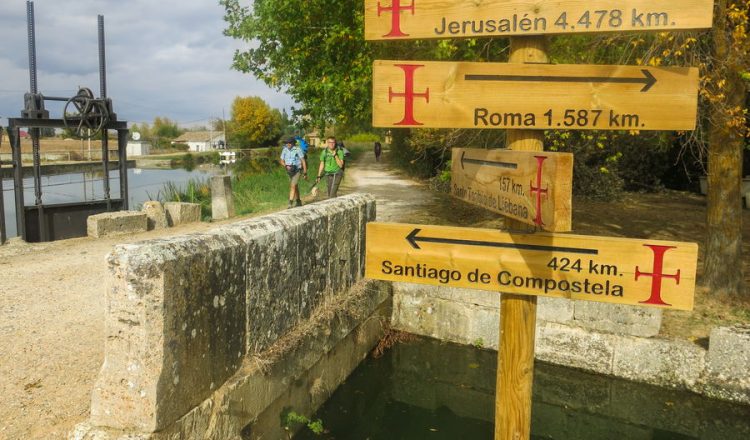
(433, 390)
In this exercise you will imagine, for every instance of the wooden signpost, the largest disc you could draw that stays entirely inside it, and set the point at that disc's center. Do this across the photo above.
(410, 19)
(525, 96)
(646, 273)
(532, 187)
(431, 94)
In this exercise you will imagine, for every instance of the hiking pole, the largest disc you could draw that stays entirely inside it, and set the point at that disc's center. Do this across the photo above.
(314, 188)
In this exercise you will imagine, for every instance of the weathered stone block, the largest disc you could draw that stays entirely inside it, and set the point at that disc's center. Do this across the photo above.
(175, 328)
(157, 217)
(574, 347)
(481, 298)
(416, 310)
(344, 241)
(729, 353)
(658, 362)
(728, 364)
(273, 297)
(179, 213)
(617, 318)
(313, 252)
(222, 201)
(559, 310)
(116, 223)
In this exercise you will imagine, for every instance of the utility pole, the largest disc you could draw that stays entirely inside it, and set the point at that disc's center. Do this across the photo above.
(224, 127)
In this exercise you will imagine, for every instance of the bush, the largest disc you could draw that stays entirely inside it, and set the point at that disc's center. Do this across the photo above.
(608, 163)
(364, 137)
(424, 152)
(196, 191)
(188, 162)
(181, 147)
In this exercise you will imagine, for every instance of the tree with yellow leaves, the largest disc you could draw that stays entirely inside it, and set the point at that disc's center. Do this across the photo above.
(254, 123)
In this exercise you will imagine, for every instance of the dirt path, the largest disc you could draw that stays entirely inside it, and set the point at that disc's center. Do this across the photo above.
(51, 331)
(398, 198)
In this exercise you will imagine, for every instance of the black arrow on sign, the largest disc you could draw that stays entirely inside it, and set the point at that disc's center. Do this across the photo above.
(487, 162)
(412, 238)
(648, 79)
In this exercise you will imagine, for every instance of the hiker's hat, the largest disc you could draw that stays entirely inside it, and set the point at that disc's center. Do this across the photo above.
(290, 141)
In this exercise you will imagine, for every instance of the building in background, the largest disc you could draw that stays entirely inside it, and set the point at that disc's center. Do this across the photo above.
(202, 140)
(138, 148)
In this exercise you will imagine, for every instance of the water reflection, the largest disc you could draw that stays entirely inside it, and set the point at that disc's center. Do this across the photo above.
(433, 390)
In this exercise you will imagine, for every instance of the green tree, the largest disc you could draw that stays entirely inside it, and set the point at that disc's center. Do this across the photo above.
(254, 123)
(143, 129)
(164, 127)
(315, 51)
(312, 49)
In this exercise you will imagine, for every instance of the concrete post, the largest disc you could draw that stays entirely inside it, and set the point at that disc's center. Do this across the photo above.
(222, 202)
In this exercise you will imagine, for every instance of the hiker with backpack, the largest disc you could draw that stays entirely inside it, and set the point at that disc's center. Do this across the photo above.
(332, 164)
(303, 145)
(293, 160)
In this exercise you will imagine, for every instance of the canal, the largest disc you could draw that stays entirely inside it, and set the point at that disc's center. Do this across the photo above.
(426, 389)
(144, 185)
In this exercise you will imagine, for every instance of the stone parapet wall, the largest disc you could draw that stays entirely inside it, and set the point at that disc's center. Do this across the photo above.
(184, 313)
(608, 339)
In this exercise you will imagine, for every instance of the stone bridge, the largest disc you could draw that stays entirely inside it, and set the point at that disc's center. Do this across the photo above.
(213, 335)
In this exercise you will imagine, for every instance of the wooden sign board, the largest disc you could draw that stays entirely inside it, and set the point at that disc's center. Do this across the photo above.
(412, 19)
(532, 187)
(650, 273)
(431, 94)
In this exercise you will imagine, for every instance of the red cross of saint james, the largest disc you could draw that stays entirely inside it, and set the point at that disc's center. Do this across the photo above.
(395, 11)
(408, 94)
(657, 274)
(538, 190)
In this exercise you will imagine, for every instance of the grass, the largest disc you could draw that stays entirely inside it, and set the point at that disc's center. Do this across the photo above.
(259, 184)
(262, 184)
(196, 191)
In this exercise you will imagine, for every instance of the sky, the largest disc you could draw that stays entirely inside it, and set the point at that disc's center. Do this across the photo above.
(164, 58)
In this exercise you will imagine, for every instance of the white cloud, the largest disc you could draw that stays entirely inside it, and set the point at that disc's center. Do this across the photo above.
(164, 58)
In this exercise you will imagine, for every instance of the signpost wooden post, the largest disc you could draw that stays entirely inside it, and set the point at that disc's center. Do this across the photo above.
(515, 355)
(532, 187)
(432, 94)
(410, 19)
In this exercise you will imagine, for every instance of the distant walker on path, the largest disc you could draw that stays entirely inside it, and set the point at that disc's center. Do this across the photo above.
(378, 149)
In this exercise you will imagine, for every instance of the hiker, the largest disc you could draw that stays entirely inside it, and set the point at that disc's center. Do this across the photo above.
(331, 166)
(293, 160)
(378, 150)
(302, 145)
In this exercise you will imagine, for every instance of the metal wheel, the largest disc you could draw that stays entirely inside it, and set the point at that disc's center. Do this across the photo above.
(89, 117)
